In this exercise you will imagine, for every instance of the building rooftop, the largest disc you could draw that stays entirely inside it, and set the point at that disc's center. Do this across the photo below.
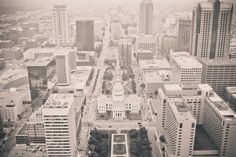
(231, 90)
(219, 61)
(172, 87)
(180, 110)
(39, 62)
(160, 63)
(12, 99)
(36, 117)
(187, 62)
(223, 109)
(59, 101)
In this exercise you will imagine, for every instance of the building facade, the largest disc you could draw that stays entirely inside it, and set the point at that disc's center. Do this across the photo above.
(184, 32)
(85, 35)
(211, 29)
(125, 52)
(59, 125)
(60, 25)
(180, 128)
(145, 17)
(39, 72)
(219, 73)
(146, 42)
(186, 70)
(63, 69)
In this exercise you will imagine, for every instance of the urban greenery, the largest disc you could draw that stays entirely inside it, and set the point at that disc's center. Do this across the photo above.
(98, 144)
(139, 143)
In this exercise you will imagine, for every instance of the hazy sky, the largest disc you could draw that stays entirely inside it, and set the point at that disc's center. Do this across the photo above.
(14, 3)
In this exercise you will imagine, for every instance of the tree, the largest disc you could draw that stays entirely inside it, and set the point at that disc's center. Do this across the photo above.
(133, 133)
(142, 85)
(156, 92)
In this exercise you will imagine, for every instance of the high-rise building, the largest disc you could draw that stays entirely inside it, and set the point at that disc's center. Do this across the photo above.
(60, 25)
(180, 127)
(145, 17)
(125, 52)
(146, 42)
(220, 124)
(193, 95)
(59, 125)
(63, 68)
(211, 29)
(219, 73)
(183, 37)
(186, 70)
(85, 35)
(40, 71)
(213, 115)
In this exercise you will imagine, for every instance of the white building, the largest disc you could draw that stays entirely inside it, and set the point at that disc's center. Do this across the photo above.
(60, 25)
(145, 17)
(154, 80)
(11, 105)
(63, 68)
(160, 65)
(147, 42)
(180, 128)
(59, 125)
(186, 70)
(211, 29)
(220, 123)
(193, 95)
(118, 103)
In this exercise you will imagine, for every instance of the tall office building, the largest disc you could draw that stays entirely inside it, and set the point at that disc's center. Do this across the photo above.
(63, 68)
(59, 125)
(211, 28)
(85, 35)
(125, 52)
(193, 95)
(60, 25)
(40, 71)
(180, 128)
(145, 17)
(186, 70)
(220, 124)
(183, 37)
(219, 73)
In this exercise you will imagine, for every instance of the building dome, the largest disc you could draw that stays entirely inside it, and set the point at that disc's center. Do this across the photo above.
(118, 92)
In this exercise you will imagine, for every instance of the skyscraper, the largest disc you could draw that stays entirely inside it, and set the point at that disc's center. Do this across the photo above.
(59, 125)
(63, 68)
(39, 73)
(85, 35)
(145, 17)
(183, 37)
(220, 124)
(125, 52)
(60, 25)
(180, 127)
(211, 28)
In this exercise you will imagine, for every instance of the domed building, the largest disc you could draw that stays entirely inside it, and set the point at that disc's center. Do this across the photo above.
(118, 104)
